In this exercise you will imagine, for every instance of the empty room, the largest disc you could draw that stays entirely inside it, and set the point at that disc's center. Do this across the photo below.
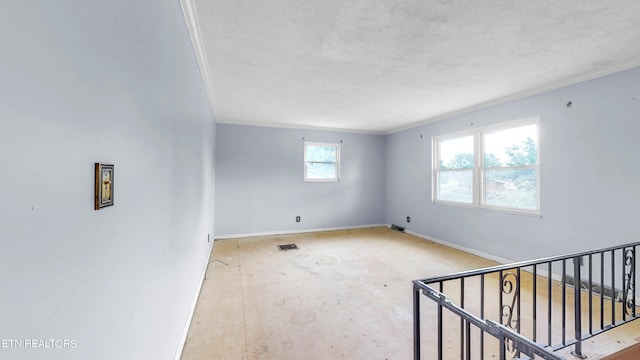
(356, 179)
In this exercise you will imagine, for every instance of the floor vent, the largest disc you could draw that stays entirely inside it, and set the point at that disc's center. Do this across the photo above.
(397, 228)
(606, 291)
(287, 247)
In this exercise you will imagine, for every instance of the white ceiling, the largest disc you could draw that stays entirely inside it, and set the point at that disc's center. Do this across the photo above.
(382, 65)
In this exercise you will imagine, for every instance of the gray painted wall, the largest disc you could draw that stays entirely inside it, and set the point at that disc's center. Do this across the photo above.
(84, 82)
(260, 188)
(590, 181)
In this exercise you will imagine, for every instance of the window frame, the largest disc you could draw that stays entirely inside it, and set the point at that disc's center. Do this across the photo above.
(436, 167)
(479, 169)
(337, 162)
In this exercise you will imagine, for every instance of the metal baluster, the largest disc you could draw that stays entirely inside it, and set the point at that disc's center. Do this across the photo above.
(602, 290)
(416, 322)
(577, 312)
(564, 302)
(440, 339)
(502, 343)
(590, 294)
(462, 338)
(549, 307)
(468, 347)
(613, 287)
(518, 283)
(482, 316)
(535, 298)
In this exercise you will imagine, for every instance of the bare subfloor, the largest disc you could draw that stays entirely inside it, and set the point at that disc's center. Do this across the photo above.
(342, 295)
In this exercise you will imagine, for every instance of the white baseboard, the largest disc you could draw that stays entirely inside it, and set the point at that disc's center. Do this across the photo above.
(422, 236)
(187, 325)
(482, 254)
(462, 248)
(542, 272)
(288, 232)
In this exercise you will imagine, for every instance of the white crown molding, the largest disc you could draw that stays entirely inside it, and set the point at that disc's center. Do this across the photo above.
(593, 75)
(299, 127)
(191, 18)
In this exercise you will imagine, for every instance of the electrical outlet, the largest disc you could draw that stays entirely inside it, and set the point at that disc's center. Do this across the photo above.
(297, 218)
(208, 238)
(408, 218)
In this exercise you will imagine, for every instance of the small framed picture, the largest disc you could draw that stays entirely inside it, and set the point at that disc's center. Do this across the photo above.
(104, 186)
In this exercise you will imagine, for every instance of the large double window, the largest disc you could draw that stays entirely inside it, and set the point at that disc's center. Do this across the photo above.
(493, 167)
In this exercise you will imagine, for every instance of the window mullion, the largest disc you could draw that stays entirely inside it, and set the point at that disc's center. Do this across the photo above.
(478, 186)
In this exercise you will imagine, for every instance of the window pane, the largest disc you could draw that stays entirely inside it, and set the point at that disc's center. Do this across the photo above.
(511, 188)
(320, 153)
(455, 186)
(456, 153)
(512, 147)
(321, 170)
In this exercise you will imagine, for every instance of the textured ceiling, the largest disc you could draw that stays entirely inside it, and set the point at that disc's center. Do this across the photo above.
(383, 65)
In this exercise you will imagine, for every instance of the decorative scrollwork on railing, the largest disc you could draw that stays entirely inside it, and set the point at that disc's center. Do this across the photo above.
(510, 347)
(629, 280)
(510, 291)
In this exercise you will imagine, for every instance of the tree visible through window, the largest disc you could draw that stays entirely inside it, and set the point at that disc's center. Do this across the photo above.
(495, 167)
(510, 168)
(321, 162)
(455, 175)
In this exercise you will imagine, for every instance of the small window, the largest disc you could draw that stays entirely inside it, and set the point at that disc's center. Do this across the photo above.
(321, 162)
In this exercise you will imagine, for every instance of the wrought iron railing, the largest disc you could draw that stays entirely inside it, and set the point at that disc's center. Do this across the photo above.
(526, 310)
